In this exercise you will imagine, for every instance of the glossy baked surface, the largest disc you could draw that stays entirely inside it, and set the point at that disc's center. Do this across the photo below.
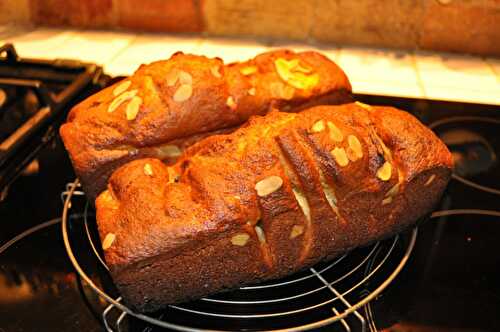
(168, 105)
(278, 195)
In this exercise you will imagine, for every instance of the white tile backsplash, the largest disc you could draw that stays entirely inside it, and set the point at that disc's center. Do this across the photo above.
(372, 65)
(495, 66)
(462, 72)
(148, 48)
(231, 50)
(40, 43)
(94, 46)
(330, 51)
(385, 88)
(371, 71)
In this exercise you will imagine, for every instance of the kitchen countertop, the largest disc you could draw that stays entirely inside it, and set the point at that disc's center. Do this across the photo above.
(431, 75)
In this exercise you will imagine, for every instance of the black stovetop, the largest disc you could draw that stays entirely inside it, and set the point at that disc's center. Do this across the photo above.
(451, 282)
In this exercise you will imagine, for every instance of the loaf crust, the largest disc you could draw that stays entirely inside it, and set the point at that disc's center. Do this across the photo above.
(102, 134)
(219, 218)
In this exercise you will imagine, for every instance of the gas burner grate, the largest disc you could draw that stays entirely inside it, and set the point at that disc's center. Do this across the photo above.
(329, 293)
(35, 95)
(473, 141)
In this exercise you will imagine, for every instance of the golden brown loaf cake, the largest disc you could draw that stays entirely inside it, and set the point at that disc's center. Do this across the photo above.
(168, 105)
(278, 195)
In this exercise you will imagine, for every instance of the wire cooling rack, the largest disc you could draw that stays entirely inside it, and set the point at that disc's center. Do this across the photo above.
(328, 294)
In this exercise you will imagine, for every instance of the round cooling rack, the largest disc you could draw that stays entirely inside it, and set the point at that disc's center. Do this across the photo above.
(329, 293)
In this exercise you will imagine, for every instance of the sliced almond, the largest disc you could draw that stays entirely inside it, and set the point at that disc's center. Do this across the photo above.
(268, 185)
(148, 170)
(303, 68)
(286, 68)
(260, 234)
(340, 156)
(280, 90)
(168, 151)
(335, 133)
(318, 126)
(122, 87)
(185, 78)
(183, 93)
(121, 99)
(296, 231)
(248, 70)
(351, 155)
(252, 91)
(393, 191)
(429, 181)
(108, 241)
(215, 71)
(363, 105)
(355, 145)
(290, 72)
(302, 82)
(385, 171)
(231, 103)
(172, 77)
(133, 108)
(387, 200)
(240, 239)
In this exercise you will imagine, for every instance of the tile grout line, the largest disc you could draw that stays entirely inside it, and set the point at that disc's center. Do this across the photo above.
(492, 68)
(69, 35)
(122, 50)
(417, 74)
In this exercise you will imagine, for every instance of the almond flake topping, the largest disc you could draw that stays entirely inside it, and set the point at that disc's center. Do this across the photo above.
(295, 74)
(148, 170)
(121, 99)
(296, 231)
(429, 181)
(133, 108)
(108, 241)
(385, 171)
(335, 133)
(231, 103)
(172, 77)
(185, 78)
(240, 239)
(168, 151)
(183, 93)
(393, 191)
(248, 70)
(215, 71)
(318, 126)
(387, 200)
(355, 146)
(340, 156)
(122, 87)
(260, 234)
(365, 106)
(268, 185)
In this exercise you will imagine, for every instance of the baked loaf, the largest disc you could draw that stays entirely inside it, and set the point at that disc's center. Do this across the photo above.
(168, 105)
(278, 195)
